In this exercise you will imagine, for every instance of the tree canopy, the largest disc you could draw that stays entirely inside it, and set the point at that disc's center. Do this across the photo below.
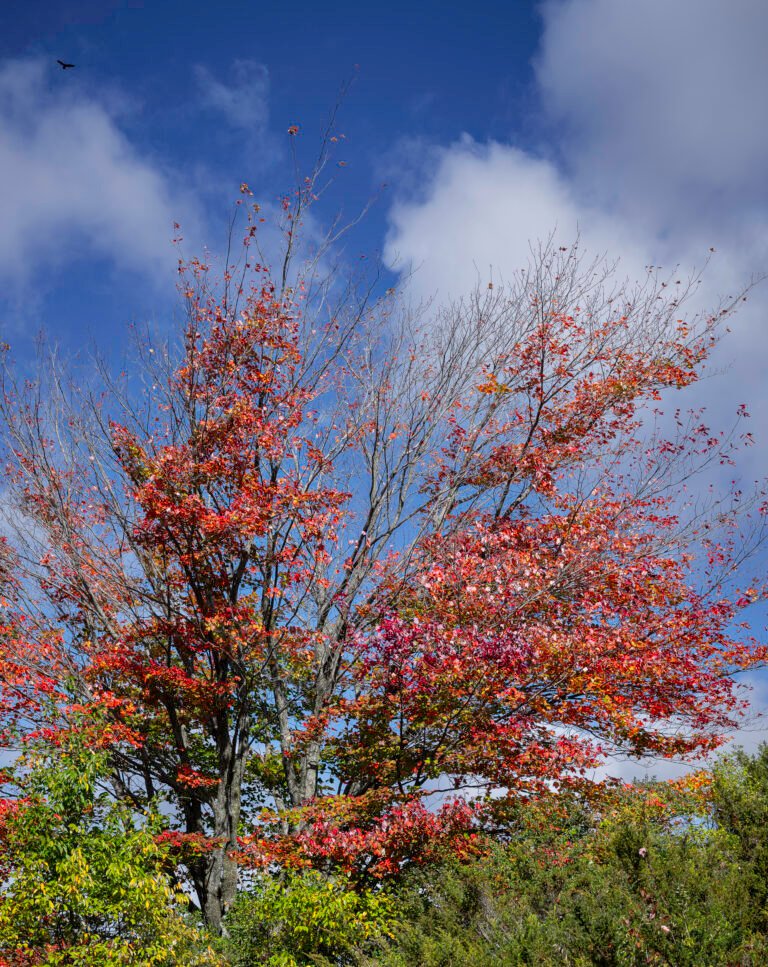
(328, 556)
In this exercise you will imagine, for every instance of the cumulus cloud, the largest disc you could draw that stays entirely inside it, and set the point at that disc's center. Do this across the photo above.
(482, 209)
(656, 151)
(654, 116)
(72, 185)
(660, 104)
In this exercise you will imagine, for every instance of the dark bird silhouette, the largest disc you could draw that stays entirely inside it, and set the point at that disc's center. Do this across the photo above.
(64, 66)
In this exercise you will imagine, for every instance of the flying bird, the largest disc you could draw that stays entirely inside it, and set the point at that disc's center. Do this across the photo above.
(64, 66)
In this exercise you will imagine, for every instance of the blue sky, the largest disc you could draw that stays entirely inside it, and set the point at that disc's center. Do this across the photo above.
(640, 125)
(198, 98)
(643, 127)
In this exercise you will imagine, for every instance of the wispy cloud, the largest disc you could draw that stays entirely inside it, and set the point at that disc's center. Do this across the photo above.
(243, 102)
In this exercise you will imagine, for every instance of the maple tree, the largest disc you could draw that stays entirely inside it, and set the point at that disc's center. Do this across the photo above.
(330, 557)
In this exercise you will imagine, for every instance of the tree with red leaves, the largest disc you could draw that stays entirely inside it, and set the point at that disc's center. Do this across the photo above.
(326, 559)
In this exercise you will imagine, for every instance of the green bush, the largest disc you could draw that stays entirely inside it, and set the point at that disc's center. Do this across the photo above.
(739, 801)
(640, 884)
(651, 875)
(305, 918)
(85, 885)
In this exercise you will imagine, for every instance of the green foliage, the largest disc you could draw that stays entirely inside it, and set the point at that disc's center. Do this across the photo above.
(656, 874)
(646, 884)
(739, 799)
(305, 918)
(85, 884)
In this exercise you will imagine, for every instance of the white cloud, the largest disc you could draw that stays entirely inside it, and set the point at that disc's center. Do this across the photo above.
(661, 112)
(71, 184)
(483, 208)
(658, 110)
(654, 111)
(749, 736)
(656, 114)
(661, 104)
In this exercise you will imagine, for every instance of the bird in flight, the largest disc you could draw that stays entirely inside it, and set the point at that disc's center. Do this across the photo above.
(63, 65)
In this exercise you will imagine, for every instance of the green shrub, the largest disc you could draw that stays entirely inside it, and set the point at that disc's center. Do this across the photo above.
(643, 883)
(85, 885)
(305, 918)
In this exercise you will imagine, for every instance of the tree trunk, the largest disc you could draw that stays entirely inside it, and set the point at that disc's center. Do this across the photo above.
(216, 882)
(220, 888)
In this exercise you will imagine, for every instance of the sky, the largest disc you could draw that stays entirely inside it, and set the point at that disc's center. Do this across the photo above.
(475, 128)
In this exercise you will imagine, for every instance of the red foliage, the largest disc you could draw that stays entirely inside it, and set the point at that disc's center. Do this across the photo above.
(366, 836)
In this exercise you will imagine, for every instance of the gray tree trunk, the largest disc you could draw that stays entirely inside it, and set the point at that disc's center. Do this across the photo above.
(217, 879)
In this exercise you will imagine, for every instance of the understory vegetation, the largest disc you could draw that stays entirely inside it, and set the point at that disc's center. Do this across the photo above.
(657, 873)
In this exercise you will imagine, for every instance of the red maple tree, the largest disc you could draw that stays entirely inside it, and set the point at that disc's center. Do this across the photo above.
(317, 567)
